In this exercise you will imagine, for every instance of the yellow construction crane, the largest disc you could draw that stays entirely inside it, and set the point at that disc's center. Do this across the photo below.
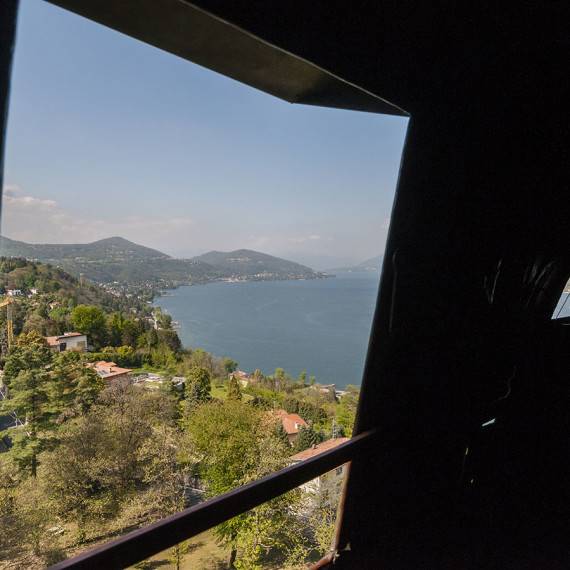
(7, 302)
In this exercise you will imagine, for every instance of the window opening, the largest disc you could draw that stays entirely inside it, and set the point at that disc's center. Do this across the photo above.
(131, 376)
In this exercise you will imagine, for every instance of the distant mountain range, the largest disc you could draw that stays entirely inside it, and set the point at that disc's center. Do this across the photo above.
(119, 260)
(374, 264)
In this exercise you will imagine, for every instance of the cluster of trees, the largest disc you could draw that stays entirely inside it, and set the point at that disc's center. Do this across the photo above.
(50, 297)
(326, 414)
(94, 460)
(91, 459)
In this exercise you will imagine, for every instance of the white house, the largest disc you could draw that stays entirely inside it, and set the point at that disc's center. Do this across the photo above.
(68, 340)
(327, 487)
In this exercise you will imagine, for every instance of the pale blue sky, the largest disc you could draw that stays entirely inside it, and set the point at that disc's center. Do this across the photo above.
(109, 136)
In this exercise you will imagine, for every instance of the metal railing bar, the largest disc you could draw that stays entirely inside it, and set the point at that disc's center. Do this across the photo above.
(163, 534)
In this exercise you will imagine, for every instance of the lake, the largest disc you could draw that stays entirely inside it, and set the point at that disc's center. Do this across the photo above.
(321, 326)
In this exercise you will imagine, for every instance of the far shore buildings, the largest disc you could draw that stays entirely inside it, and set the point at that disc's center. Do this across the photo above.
(292, 423)
(68, 340)
(109, 370)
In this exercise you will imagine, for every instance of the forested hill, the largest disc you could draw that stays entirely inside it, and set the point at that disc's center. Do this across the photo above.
(119, 260)
(53, 285)
(110, 249)
(245, 262)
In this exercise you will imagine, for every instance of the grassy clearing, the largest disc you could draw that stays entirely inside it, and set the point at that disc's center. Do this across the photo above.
(221, 391)
(203, 553)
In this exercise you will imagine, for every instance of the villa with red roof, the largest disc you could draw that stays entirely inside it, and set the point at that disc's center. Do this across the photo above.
(292, 423)
(109, 370)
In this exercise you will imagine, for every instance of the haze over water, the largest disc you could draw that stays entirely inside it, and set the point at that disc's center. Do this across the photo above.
(321, 326)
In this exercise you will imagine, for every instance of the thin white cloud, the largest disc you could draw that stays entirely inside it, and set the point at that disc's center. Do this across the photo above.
(303, 239)
(11, 190)
(28, 202)
(137, 222)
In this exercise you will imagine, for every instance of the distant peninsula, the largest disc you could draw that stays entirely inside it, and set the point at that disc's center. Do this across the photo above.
(116, 260)
(370, 265)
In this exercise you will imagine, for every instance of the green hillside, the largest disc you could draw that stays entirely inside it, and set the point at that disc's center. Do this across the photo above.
(54, 282)
(245, 262)
(119, 260)
(109, 249)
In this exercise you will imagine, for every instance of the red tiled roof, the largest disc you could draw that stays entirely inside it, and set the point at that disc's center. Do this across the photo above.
(54, 340)
(291, 422)
(108, 370)
(320, 448)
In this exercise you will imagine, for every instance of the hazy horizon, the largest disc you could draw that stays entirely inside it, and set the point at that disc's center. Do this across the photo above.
(108, 137)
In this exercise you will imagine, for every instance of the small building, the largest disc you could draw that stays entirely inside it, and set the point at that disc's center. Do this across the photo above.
(74, 340)
(14, 292)
(109, 370)
(327, 488)
(292, 423)
(242, 377)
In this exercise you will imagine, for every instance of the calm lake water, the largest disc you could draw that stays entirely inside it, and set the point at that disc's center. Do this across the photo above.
(318, 325)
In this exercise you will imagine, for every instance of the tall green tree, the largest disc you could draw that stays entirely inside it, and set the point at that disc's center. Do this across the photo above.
(236, 445)
(90, 321)
(306, 438)
(115, 324)
(229, 365)
(28, 377)
(192, 399)
(74, 387)
(131, 332)
(110, 456)
(203, 380)
(234, 392)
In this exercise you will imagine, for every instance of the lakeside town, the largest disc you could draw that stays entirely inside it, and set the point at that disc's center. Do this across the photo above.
(111, 421)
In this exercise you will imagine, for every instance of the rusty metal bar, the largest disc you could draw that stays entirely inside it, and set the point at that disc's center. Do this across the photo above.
(156, 537)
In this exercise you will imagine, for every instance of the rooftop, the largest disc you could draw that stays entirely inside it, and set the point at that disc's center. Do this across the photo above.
(319, 448)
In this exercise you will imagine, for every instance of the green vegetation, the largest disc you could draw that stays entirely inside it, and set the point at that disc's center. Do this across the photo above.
(96, 459)
(119, 262)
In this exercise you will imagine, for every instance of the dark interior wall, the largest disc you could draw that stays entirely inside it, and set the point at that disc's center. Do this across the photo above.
(476, 261)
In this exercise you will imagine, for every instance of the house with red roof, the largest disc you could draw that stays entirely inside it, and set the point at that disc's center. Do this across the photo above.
(292, 423)
(326, 489)
(242, 377)
(109, 370)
